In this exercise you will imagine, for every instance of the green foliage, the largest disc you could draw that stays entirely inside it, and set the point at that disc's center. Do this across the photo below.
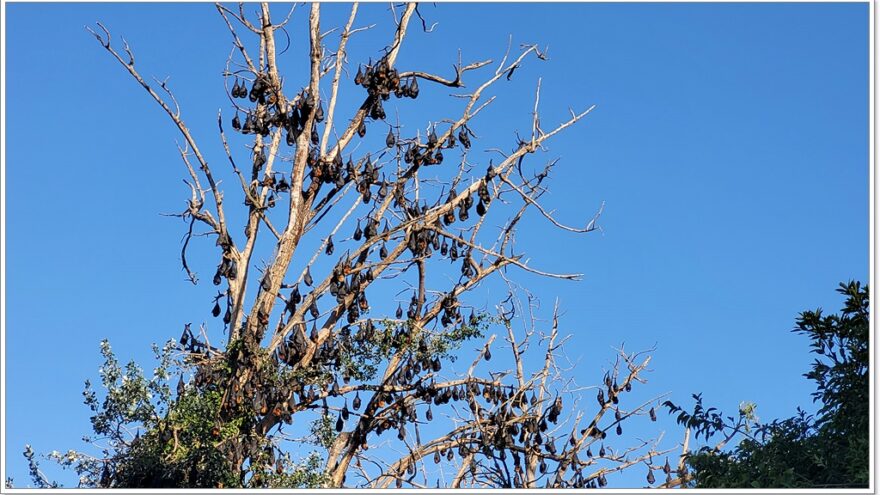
(151, 434)
(323, 431)
(841, 371)
(309, 473)
(826, 451)
(149, 437)
(37, 478)
(449, 341)
(181, 451)
(786, 454)
(361, 361)
(129, 395)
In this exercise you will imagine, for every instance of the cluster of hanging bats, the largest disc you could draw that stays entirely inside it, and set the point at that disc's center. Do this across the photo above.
(381, 81)
(516, 426)
(275, 402)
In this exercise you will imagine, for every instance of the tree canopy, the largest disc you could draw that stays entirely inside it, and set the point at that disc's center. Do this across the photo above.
(825, 450)
(316, 367)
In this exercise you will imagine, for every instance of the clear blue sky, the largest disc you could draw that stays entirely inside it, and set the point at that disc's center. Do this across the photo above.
(730, 144)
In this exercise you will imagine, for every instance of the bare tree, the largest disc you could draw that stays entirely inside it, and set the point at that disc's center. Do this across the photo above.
(394, 208)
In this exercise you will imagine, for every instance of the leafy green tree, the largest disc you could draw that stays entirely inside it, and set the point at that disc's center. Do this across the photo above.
(828, 450)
